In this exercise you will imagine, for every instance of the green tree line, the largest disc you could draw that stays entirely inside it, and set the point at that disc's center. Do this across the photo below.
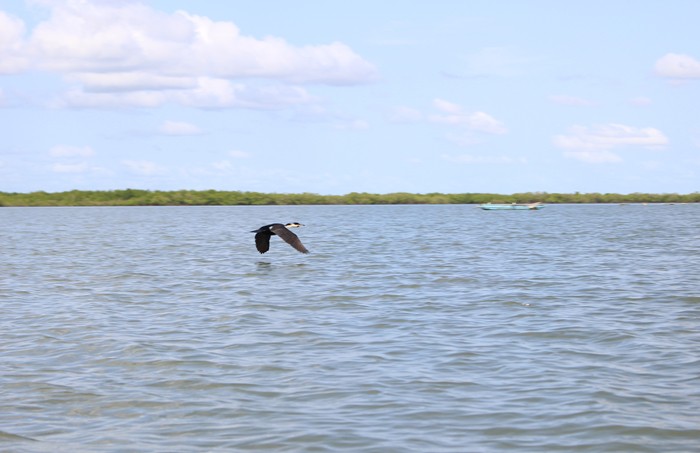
(137, 197)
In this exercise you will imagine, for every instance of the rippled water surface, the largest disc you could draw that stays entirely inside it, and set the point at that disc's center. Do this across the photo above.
(407, 329)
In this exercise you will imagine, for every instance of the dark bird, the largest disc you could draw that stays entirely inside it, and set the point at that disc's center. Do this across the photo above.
(263, 234)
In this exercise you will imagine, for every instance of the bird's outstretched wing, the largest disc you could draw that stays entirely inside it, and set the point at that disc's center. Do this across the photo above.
(288, 237)
(262, 242)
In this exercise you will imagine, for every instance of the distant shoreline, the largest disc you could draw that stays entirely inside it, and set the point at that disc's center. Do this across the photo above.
(138, 197)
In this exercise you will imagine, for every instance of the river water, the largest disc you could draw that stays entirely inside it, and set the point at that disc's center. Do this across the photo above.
(438, 328)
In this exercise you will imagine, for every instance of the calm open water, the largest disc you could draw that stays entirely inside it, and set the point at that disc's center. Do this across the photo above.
(407, 329)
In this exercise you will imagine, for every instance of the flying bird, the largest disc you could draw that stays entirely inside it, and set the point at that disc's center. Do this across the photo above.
(263, 234)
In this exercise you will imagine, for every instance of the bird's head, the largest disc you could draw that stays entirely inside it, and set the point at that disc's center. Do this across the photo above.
(294, 225)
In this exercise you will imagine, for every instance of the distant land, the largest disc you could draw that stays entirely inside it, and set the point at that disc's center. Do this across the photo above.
(137, 197)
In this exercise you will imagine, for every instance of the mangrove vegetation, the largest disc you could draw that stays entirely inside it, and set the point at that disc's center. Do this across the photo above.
(137, 197)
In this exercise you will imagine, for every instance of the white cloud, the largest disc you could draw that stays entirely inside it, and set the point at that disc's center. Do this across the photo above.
(78, 98)
(116, 82)
(12, 55)
(483, 122)
(179, 128)
(678, 66)
(71, 151)
(206, 93)
(594, 144)
(128, 54)
(220, 49)
(115, 38)
(453, 114)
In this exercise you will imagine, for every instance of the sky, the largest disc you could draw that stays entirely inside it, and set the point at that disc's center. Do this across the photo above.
(332, 97)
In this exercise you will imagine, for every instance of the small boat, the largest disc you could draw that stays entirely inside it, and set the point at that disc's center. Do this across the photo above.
(512, 206)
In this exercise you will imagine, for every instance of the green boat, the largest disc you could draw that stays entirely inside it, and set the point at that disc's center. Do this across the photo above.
(512, 206)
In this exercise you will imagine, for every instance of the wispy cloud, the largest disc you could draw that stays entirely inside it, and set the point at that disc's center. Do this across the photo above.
(71, 151)
(454, 115)
(601, 156)
(595, 144)
(352, 124)
(463, 127)
(179, 128)
(571, 100)
(143, 167)
(475, 159)
(640, 101)
(238, 154)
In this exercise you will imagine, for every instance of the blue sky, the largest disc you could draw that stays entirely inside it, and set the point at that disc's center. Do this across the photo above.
(337, 97)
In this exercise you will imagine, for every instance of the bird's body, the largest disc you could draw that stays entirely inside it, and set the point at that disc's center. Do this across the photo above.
(263, 234)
